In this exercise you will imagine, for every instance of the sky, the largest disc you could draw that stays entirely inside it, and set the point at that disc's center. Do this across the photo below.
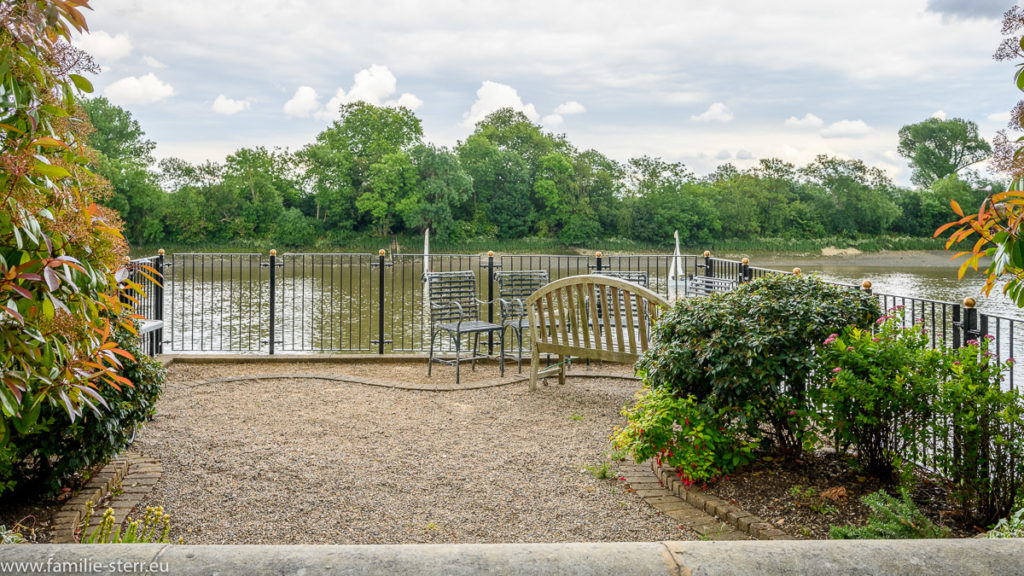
(698, 82)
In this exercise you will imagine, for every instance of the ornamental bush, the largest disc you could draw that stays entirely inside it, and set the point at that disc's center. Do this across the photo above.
(747, 354)
(59, 446)
(875, 391)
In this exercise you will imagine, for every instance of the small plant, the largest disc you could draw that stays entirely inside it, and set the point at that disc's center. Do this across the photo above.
(155, 527)
(601, 471)
(431, 527)
(1012, 527)
(11, 536)
(802, 493)
(824, 509)
(576, 417)
(891, 518)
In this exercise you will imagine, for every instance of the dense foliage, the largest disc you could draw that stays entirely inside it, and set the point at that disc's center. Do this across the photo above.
(876, 391)
(748, 353)
(369, 173)
(891, 518)
(58, 446)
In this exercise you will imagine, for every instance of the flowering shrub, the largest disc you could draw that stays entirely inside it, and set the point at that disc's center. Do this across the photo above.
(679, 432)
(875, 390)
(983, 453)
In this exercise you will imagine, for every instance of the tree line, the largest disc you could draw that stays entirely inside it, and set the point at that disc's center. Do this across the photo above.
(370, 172)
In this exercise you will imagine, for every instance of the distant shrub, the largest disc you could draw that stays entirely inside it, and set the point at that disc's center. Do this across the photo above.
(875, 390)
(747, 354)
(891, 518)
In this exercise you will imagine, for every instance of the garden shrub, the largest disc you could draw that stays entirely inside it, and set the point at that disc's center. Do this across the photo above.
(891, 518)
(1009, 527)
(984, 456)
(679, 432)
(875, 390)
(58, 447)
(748, 353)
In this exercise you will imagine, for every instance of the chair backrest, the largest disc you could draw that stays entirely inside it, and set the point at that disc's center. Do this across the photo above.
(634, 276)
(707, 285)
(516, 286)
(447, 288)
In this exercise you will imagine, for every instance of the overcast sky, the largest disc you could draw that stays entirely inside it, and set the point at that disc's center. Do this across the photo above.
(694, 81)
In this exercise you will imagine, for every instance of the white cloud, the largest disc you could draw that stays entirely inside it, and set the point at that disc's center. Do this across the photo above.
(939, 114)
(999, 117)
(723, 155)
(407, 100)
(138, 90)
(552, 120)
(103, 47)
(153, 62)
(492, 96)
(228, 106)
(744, 155)
(303, 103)
(846, 129)
(717, 112)
(371, 85)
(570, 107)
(808, 121)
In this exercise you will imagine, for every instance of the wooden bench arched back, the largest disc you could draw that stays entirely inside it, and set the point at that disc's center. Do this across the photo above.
(591, 316)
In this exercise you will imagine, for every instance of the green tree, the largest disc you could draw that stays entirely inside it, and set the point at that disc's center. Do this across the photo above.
(265, 182)
(501, 187)
(390, 181)
(124, 156)
(939, 148)
(442, 187)
(858, 197)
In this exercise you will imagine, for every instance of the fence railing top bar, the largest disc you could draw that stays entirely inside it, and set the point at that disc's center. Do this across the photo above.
(915, 299)
(293, 254)
(177, 254)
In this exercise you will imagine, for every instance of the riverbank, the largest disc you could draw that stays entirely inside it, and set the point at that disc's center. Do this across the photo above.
(854, 259)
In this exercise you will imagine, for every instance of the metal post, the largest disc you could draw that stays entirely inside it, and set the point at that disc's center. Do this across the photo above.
(708, 271)
(971, 331)
(380, 306)
(490, 301)
(744, 271)
(958, 339)
(158, 303)
(273, 291)
(598, 255)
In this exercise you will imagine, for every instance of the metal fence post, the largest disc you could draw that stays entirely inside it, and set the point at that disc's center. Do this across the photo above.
(490, 300)
(380, 304)
(971, 330)
(744, 271)
(598, 256)
(273, 293)
(158, 303)
(708, 270)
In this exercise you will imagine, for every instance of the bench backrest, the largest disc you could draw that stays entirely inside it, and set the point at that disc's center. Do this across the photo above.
(447, 288)
(565, 319)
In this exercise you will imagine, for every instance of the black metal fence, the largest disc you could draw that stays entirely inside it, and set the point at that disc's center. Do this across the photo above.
(372, 303)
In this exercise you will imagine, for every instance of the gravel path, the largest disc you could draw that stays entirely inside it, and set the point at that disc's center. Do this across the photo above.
(302, 460)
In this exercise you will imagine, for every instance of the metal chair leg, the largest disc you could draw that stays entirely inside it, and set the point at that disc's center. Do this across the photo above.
(458, 355)
(430, 358)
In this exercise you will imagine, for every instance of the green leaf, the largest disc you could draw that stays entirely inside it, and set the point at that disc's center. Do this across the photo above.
(50, 171)
(82, 83)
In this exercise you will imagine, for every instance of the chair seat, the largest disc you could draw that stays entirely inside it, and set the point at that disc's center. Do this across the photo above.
(469, 326)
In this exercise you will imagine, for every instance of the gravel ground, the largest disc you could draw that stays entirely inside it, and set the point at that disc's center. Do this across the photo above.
(312, 461)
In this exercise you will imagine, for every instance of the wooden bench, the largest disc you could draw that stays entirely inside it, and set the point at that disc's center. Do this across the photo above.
(566, 320)
(708, 285)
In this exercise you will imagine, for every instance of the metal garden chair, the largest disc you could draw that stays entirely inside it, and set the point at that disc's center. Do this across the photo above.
(513, 290)
(455, 312)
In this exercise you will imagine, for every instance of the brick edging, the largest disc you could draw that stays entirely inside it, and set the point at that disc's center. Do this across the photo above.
(728, 513)
(142, 473)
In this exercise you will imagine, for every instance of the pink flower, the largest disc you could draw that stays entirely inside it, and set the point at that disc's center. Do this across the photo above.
(1010, 360)
(972, 342)
(849, 348)
(989, 337)
(837, 370)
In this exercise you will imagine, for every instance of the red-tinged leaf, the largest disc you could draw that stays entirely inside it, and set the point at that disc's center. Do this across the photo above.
(93, 365)
(21, 291)
(109, 346)
(981, 242)
(129, 326)
(30, 276)
(963, 269)
(15, 390)
(49, 142)
(943, 228)
(150, 278)
(15, 314)
(956, 207)
(124, 353)
(52, 282)
(112, 384)
(94, 394)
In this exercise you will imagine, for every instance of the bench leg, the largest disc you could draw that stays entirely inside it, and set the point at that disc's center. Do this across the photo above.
(534, 367)
(561, 370)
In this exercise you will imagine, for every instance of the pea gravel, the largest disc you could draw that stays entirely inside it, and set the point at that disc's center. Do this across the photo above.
(292, 459)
